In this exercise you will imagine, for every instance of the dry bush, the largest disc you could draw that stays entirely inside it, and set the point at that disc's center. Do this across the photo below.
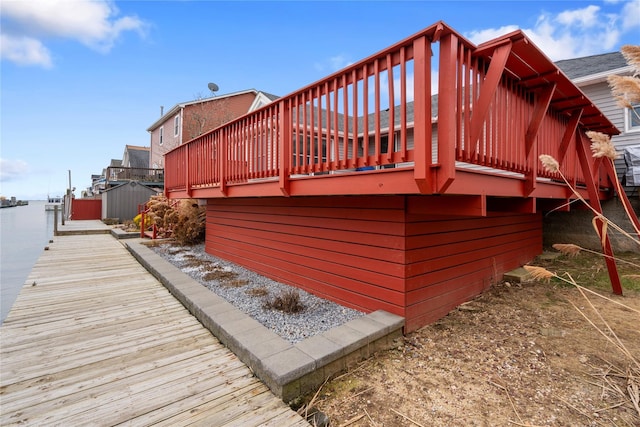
(189, 228)
(182, 219)
(161, 213)
(236, 283)
(219, 275)
(258, 292)
(287, 302)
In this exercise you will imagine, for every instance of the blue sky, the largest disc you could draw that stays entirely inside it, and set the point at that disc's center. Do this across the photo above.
(80, 79)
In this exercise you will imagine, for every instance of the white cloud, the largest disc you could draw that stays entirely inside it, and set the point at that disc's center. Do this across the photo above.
(95, 24)
(573, 33)
(481, 36)
(24, 51)
(586, 18)
(11, 170)
(339, 61)
(631, 15)
(333, 63)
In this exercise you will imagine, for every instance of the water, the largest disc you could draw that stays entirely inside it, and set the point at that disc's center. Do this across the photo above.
(24, 232)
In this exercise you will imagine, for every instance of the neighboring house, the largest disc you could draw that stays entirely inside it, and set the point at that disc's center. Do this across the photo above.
(365, 189)
(134, 166)
(135, 156)
(188, 120)
(99, 182)
(590, 75)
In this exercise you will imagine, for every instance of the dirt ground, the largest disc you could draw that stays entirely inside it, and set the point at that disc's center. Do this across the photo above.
(520, 354)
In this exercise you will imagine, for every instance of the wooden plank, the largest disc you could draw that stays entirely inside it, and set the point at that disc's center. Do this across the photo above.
(98, 338)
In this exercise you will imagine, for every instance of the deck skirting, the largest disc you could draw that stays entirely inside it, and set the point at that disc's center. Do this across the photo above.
(373, 252)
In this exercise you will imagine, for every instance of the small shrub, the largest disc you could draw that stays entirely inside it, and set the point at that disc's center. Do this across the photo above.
(236, 283)
(130, 226)
(185, 219)
(287, 302)
(258, 292)
(190, 226)
(219, 275)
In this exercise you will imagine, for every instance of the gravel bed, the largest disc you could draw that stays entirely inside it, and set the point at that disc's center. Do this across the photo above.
(250, 292)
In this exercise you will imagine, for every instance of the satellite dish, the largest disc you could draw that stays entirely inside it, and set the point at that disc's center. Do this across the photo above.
(213, 87)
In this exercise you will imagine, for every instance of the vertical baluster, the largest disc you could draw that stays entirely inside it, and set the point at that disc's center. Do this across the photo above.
(392, 111)
(345, 123)
(376, 71)
(365, 116)
(354, 154)
(305, 131)
(403, 104)
(312, 121)
(335, 156)
(295, 150)
(327, 132)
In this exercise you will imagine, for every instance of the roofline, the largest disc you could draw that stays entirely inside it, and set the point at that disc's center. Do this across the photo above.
(137, 147)
(602, 76)
(181, 105)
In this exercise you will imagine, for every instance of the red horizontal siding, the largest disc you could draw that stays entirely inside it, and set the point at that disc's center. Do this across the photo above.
(447, 269)
(343, 249)
(368, 253)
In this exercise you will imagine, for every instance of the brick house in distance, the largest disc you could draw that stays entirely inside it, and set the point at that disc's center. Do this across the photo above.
(188, 120)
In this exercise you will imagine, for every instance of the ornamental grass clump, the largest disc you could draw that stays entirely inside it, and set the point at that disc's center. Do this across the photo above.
(623, 379)
(626, 89)
(287, 302)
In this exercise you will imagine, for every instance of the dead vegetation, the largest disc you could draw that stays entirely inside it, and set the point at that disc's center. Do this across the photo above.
(287, 302)
(183, 220)
(521, 354)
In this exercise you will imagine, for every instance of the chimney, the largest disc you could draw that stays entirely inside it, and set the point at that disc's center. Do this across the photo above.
(161, 110)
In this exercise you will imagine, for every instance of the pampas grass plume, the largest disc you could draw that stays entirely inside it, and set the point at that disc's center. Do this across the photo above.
(539, 273)
(568, 249)
(549, 163)
(601, 145)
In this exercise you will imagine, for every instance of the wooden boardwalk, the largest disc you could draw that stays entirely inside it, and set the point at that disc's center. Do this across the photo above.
(94, 339)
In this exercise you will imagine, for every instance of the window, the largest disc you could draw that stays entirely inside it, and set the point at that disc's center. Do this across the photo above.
(632, 118)
(176, 125)
(161, 135)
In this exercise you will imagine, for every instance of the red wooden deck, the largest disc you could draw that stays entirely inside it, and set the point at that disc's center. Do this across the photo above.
(408, 181)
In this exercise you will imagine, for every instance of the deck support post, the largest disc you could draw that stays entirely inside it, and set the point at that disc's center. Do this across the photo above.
(422, 112)
(611, 172)
(187, 184)
(222, 162)
(447, 96)
(285, 132)
(594, 202)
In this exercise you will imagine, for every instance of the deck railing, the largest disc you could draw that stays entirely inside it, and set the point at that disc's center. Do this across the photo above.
(429, 103)
(134, 174)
